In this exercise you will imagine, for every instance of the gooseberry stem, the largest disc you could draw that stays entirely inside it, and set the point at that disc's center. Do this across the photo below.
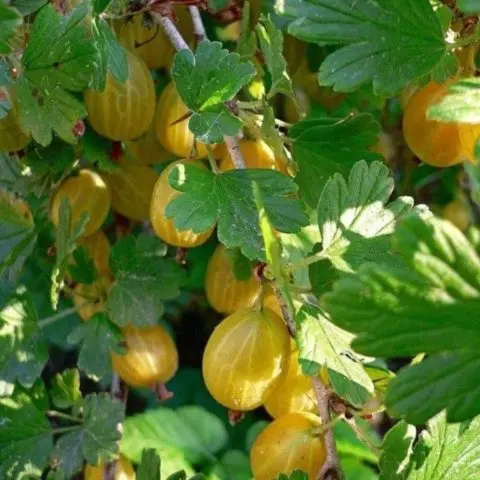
(212, 161)
(58, 316)
(64, 416)
(198, 27)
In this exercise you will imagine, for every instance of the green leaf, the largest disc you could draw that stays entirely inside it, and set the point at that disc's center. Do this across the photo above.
(67, 236)
(192, 430)
(10, 21)
(112, 56)
(323, 147)
(96, 151)
(247, 43)
(26, 7)
(210, 76)
(5, 105)
(270, 39)
(350, 446)
(356, 222)
(322, 343)
(461, 104)
(452, 451)
(241, 265)
(96, 439)
(23, 350)
(429, 308)
(397, 449)
(270, 135)
(369, 35)
(52, 71)
(65, 391)
(236, 464)
(212, 125)
(473, 173)
(17, 237)
(227, 199)
(99, 338)
(216, 5)
(26, 439)
(144, 278)
(149, 468)
(83, 269)
(99, 6)
(469, 6)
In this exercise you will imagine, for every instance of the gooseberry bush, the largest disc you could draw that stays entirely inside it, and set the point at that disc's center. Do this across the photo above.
(239, 240)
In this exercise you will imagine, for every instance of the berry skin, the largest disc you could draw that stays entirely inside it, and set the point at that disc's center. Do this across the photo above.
(245, 357)
(123, 111)
(225, 293)
(163, 194)
(151, 357)
(291, 442)
(86, 192)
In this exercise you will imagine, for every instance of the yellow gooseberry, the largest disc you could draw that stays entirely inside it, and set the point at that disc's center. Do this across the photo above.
(123, 471)
(256, 153)
(146, 150)
(151, 357)
(291, 442)
(123, 111)
(132, 187)
(457, 212)
(163, 194)
(90, 298)
(12, 137)
(245, 357)
(175, 135)
(294, 392)
(85, 192)
(225, 292)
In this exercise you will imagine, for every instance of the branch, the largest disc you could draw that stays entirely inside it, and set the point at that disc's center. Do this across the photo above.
(171, 31)
(198, 27)
(234, 150)
(331, 467)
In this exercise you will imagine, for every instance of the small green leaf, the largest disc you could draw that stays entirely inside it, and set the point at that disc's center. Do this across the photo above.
(470, 7)
(241, 265)
(323, 147)
(99, 6)
(10, 21)
(149, 468)
(227, 200)
(322, 343)
(96, 151)
(52, 71)
(397, 449)
(26, 7)
(83, 268)
(247, 43)
(96, 439)
(216, 5)
(26, 439)
(99, 338)
(23, 350)
(461, 104)
(369, 35)
(270, 135)
(270, 39)
(65, 391)
(210, 126)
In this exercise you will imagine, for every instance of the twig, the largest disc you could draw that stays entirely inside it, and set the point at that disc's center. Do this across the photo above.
(58, 316)
(234, 150)
(198, 27)
(171, 31)
(331, 467)
(289, 320)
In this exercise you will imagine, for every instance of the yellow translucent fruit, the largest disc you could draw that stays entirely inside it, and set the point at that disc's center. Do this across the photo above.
(132, 188)
(12, 137)
(146, 150)
(89, 298)
(469, 136)
(175, 136)
(384, 146)
(256, 153)
(270, 301)
(151, 357)
(162, 195)
(435, 143)
(457, 213)
(225, 293)
(244, 358)
(123, 111)
(85, 192)
(289, 443)
(293, 52)
(123, 471)
(294, 392)
(147, 42)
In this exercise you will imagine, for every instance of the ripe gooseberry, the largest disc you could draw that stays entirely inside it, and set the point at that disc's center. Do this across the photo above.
(225, 293)
(90, 298)
(132, 186)
(151, 357)
(256, 153)
(85, 192)
(163, 194)
(457, 212)
(123, 471)
(294, 392)
(175, 135)
(123, 111)
(146, 150)
(244, 358)
(291, 442)
(12, 137)
(436, 143)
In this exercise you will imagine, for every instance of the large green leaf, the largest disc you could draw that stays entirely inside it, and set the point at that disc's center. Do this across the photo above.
(370, 35)
(325, 146)
(10, 21)
(227, 199)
